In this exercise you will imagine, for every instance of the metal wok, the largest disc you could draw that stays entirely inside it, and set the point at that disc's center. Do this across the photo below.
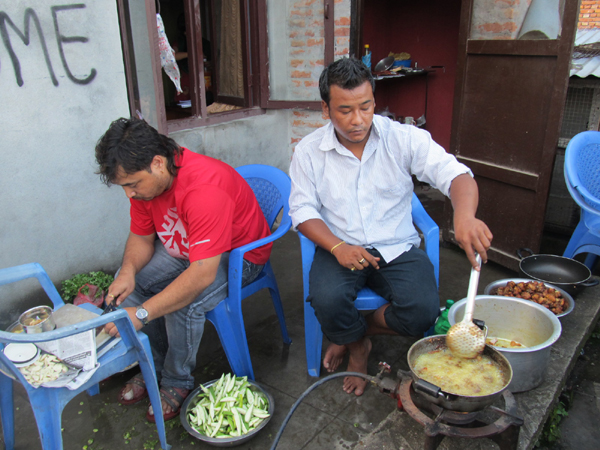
(453, 402)
(565, 273)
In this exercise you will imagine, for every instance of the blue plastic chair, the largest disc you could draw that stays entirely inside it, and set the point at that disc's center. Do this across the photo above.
(48, 403)
(367, 299)
(271, 187)
(582, 176)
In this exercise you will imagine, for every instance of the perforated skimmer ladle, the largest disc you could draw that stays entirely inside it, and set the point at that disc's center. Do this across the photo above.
(465, 339)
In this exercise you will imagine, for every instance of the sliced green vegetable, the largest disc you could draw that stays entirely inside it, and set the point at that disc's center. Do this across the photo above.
(228, 408)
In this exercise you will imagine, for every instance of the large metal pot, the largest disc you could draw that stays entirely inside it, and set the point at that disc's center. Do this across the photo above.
(520, 320)
(565, 273)
(453, 402)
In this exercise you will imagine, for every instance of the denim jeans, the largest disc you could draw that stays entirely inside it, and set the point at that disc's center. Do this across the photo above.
(407, 282)
(175, 337)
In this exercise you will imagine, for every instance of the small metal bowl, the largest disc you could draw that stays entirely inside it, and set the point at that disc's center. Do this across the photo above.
(37, 320)
(190, 402)
(492, 288)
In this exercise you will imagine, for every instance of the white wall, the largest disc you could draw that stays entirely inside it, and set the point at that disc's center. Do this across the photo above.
(54, 209)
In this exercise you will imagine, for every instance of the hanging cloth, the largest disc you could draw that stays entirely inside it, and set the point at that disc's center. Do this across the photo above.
(167, 55)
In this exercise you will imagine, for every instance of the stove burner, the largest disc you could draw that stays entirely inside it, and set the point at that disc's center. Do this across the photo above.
(504, 430)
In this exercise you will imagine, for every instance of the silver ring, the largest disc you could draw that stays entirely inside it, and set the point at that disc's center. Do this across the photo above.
(361, 261)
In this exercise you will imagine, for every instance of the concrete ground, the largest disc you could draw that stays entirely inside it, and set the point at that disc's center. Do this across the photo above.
(328, 418)
(581, 399)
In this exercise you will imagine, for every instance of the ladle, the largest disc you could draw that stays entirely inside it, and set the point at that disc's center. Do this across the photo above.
(465, 339)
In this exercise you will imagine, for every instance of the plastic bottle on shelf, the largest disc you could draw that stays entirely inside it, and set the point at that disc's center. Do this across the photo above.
(366, 59)
(442, 325)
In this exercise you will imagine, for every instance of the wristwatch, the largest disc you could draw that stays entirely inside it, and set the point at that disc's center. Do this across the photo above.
(142, 314)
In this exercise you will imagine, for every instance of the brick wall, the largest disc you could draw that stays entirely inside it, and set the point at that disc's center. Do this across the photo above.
(589, 14)
(307, 46)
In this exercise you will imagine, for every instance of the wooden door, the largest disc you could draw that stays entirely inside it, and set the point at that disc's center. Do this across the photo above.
(509, 96)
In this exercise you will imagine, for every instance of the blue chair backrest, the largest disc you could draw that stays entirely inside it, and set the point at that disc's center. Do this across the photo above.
(582, 166)
(271, 187)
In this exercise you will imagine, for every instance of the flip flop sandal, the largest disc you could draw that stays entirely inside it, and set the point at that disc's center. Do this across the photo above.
(173, 397)
(137, 380)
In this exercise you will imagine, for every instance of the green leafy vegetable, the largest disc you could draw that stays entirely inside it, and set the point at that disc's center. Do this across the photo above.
(71, 286)
(230, 407)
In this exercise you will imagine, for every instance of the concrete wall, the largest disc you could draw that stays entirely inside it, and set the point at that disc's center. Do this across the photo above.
(243, 141)
(61, 83)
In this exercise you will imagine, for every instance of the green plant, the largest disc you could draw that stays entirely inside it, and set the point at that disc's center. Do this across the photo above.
(551, 430)
(71, 286)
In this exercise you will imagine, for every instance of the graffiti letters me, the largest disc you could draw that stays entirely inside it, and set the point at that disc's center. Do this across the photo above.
(30, 18)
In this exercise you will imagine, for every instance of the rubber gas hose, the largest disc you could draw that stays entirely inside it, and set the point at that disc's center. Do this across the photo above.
(370, 378)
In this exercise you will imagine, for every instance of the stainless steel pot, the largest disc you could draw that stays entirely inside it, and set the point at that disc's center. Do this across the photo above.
(520, 320)
(453, 402)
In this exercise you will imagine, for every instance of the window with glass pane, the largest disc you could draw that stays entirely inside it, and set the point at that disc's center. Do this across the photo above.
(212, 52)
(525, 20)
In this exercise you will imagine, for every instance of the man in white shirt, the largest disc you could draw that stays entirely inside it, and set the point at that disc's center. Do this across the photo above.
(351, 195)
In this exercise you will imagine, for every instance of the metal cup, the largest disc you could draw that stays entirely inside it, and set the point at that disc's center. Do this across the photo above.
(16, 328)
(37, 320)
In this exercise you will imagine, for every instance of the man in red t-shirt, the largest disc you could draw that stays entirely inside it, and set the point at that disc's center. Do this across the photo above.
(188, 211)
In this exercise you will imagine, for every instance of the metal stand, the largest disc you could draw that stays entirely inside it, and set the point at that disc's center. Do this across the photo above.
(504, 430)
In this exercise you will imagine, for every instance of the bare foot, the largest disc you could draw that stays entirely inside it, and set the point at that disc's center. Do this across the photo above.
(359, 355)
(334, 356)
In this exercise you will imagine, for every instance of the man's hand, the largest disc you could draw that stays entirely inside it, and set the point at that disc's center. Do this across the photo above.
(138, 252)
(120, 289)
(111, 328)
(355, 257)
(473, 235)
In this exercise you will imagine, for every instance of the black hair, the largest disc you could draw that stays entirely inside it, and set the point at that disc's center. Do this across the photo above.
(347, 73)
(131, 145)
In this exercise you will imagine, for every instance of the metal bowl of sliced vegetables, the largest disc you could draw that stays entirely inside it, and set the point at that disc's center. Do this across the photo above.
(227, 412)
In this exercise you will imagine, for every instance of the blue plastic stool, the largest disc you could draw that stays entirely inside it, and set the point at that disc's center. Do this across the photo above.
(367, 299)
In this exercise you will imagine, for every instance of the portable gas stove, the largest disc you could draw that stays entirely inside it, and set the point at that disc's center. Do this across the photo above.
(500, 425)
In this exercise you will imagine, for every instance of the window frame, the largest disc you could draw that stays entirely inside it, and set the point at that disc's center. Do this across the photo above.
(329, 37)
(257, 90)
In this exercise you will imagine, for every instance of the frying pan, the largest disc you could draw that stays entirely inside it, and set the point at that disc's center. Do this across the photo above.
(565, 273)
(384, 64)
(454, 402)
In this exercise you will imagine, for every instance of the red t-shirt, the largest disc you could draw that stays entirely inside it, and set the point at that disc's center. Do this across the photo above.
(208, 210)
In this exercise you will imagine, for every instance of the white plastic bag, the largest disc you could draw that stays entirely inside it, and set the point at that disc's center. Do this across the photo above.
(167, 55)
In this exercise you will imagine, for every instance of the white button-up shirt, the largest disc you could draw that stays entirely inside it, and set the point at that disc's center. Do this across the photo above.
(367, 202)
